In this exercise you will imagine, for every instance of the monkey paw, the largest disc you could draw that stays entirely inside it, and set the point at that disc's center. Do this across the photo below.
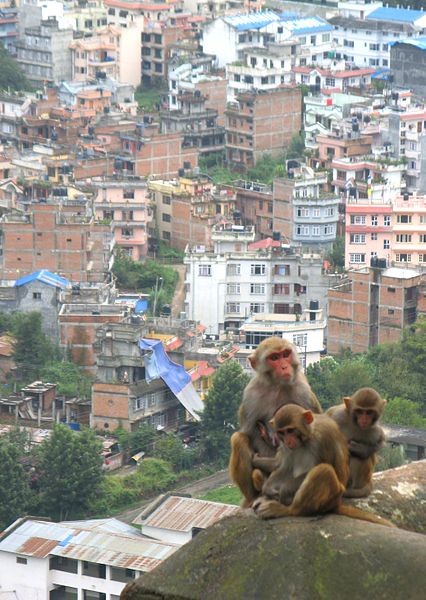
(268, 509)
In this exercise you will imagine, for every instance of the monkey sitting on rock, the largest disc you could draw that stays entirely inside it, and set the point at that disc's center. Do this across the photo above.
(358, 419)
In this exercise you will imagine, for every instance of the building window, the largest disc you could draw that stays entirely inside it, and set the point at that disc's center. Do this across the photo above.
(302, 230)
(373, 237)
(257, 307)
(234, 269)
(302, 212)
(94, 569)
(282, 270)
(233, 307)
(21, 560)
(403, 257)
(122, 575)
(233, 288)
(257, 288)
(357, 258)
(126, 232)
(316, 230)
(91, 595)
(358, 238)
(62, 563)
(403, 238)
(422, 258)
(204, 270)
(422, 238)
(36, 295)
(281, 309)
(330, 82)
(167, 200)
(386, 244)
(281, 288)
(357, 219)
(300, 339)
(403, 219)
(257, 269)
(166, 218)
(166, 236)
(129, 194)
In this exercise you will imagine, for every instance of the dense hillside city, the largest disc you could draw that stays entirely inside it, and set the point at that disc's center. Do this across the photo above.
(179, 182)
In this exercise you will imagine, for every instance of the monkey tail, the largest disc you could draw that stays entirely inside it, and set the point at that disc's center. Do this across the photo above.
(357, 513)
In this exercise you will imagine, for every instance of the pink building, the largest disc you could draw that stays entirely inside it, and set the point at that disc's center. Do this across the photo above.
(126, 205)
(409, 230)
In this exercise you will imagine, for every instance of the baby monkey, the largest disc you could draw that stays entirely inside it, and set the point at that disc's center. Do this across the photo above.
(358, 419)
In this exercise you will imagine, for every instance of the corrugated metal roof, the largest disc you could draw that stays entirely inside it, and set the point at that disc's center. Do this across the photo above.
(302, 25)
(419, 42)
(104, 541)
(251, 21)
(401, 15)
(182, 514)
(45, 277)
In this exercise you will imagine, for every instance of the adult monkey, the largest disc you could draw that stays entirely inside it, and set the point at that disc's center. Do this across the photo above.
(358, 419)
(310, 470)
(279, 380)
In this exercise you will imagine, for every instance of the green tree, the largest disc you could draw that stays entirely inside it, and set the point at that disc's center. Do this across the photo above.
(320, 379)
(69, 378)
(219, 418)
(11, 75)
(141, 439)
(71, 473)
(32, 348)
(400, 411)
(15, 493)
(336, 256)
(170, 448)
(152, 475)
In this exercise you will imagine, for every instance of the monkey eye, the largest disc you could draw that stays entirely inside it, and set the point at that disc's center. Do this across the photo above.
(286, 353)
(274, 357)
(290, 430)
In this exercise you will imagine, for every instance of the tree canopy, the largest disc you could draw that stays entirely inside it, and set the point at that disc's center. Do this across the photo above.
(12, 76)
(220, 416)
(14, 486)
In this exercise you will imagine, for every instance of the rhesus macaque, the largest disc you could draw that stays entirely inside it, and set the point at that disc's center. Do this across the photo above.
(310, 470)
(358, 420)
(279, 380)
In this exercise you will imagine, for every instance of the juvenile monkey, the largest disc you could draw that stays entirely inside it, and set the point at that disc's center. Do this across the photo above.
(310, 470)
(358, 419)
(279, 380)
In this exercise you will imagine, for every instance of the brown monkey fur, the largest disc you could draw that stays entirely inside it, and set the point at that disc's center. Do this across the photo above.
(363, 441)
(265, 393)
(310, 470)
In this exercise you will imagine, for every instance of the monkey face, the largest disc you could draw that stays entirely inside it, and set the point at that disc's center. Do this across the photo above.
(290, 437)
(365, 418)
(281, 364)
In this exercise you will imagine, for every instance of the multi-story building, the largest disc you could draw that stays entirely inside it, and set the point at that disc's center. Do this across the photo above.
(236, 279)
(364, 37)
(261, 123)
(304, 211)
(197, 122)
(72, 560)
(406, 135)
(408, 243)
(125, 205)
(338, 79)
(12, 108)
(57, 236)
(187, 207)
(263, 68)
(373, 306)
(44, 54)
(88, 16)
(8, 28)
(156, 43)
(407, 63)
(368, 231)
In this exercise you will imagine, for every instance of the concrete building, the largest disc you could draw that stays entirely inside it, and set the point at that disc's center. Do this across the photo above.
(51, 237)
(125, 204)
(8, 28)
(236, 278)
(337, 79)
(72, 560)
(44, 54)
(407, 64)
(12, 108)
(261, 123)
(408, 243)
(372, 307)
(363, 37)
(407, 136)
(305, 331)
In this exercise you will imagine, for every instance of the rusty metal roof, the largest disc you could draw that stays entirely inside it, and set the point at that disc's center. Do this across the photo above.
(182, 514)
(103, 541)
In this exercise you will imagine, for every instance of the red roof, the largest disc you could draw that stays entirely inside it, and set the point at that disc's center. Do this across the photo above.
(173, 344)
(264, 244)
(201, 369)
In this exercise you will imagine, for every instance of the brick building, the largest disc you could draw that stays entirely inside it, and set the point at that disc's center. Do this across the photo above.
(54, 236)
(261, 123)
(372, 307)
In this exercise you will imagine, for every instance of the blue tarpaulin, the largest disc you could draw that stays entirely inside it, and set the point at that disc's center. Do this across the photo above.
(158, 365)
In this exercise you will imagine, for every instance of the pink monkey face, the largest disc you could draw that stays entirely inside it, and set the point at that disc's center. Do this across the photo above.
(281, 364)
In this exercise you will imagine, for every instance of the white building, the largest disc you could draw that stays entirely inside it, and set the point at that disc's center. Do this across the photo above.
(235, 280)
(78, 560)
(229, 37)
(363, 38)
(306, 332)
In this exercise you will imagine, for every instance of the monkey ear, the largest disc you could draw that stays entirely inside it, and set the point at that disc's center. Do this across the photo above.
(308, 417)
(252, 360)
(384, 402)
(347, 401)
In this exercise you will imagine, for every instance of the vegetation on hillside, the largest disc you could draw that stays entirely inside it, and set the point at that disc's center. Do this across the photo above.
(12, 77)
(148, 97)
